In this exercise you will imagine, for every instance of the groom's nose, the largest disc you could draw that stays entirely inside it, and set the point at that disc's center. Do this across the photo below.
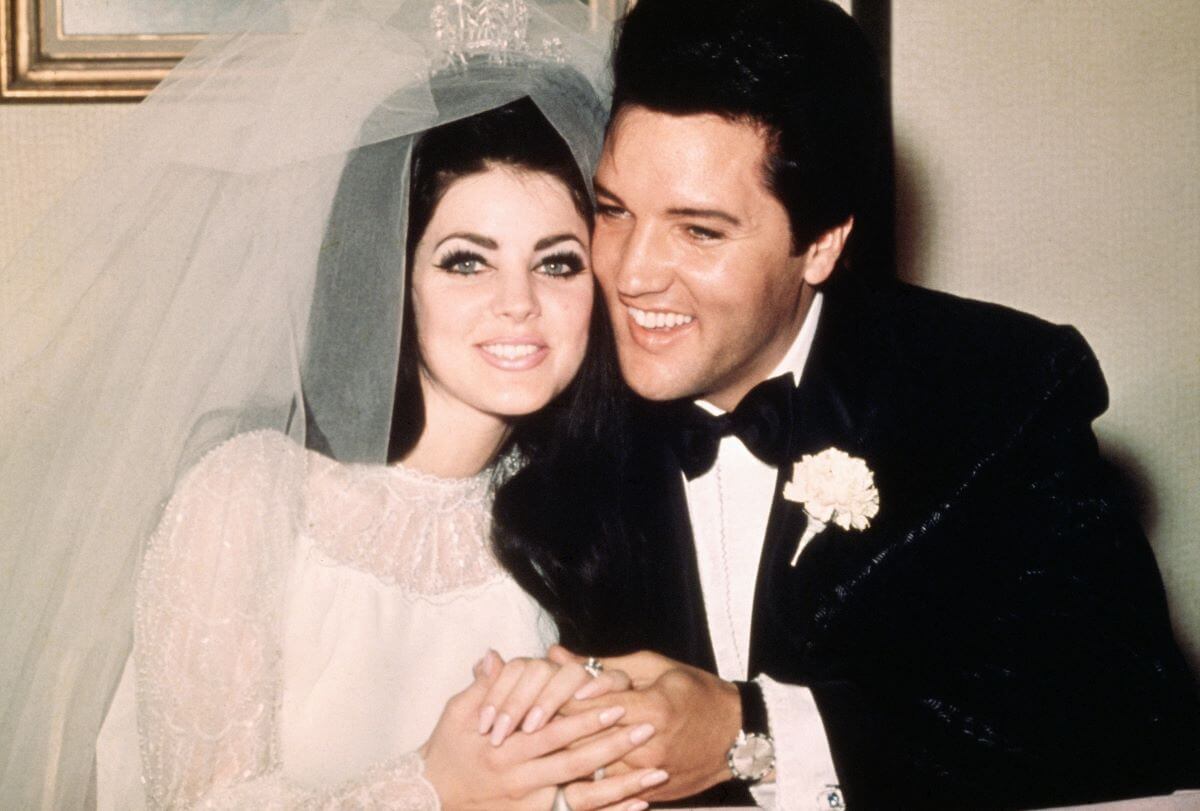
(641, 262)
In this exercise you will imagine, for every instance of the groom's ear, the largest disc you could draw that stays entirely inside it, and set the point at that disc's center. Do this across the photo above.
(820, 258)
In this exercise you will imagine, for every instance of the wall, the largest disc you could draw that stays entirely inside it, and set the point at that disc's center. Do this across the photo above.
(1049, 159)
(42, 149)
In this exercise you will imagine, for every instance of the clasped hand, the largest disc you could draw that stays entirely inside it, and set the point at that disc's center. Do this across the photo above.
(696, 714)
(503, 744)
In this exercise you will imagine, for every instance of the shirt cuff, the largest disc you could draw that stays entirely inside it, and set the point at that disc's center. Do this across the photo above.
(805, 777)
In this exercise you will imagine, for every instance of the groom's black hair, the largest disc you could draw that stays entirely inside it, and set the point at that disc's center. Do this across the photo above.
(800, 69)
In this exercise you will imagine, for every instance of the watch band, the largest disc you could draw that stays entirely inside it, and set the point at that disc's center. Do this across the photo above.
(754, 708)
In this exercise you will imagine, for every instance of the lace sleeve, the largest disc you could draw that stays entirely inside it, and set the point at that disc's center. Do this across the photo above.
(207, 643)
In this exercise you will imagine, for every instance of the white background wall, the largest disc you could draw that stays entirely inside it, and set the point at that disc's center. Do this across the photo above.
(1049, 155)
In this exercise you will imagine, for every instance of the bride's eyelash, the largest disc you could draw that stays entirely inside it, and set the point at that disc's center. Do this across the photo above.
(457, 261)
(572, 261)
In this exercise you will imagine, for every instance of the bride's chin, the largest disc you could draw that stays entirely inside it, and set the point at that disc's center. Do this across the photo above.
(519, 405)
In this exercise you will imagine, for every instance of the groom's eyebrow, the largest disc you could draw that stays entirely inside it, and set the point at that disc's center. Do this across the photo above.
(481, 241)
(679, 211)
(713, 213)
(603, 192)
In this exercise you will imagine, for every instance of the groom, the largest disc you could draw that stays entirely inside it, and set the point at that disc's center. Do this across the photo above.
(960, 614)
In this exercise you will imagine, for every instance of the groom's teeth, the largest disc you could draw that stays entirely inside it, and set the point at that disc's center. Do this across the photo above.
(658, 320)
(510, 351)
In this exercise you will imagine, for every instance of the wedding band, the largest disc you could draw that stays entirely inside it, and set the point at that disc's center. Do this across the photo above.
(594, 666)
(598, 774)
(560, 801)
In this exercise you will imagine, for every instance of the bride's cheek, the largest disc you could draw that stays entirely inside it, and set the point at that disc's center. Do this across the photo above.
(573, 310)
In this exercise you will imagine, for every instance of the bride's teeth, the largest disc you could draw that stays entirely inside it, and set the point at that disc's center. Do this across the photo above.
(658, 320)
(510, 351)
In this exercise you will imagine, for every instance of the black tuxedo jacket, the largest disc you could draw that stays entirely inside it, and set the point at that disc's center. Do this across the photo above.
(998, 637)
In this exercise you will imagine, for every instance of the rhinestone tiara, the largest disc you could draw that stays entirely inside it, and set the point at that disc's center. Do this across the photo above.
(495, 30)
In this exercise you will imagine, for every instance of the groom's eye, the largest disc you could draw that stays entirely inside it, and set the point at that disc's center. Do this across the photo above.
(702, 234)
(609, 211)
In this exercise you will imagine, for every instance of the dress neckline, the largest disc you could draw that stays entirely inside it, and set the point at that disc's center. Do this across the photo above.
(406, 472)
(428, 534)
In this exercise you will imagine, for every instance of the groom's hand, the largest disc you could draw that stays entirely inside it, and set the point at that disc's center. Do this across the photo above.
(697, 716)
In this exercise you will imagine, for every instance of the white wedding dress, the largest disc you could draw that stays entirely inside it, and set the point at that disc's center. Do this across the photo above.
(284, 663)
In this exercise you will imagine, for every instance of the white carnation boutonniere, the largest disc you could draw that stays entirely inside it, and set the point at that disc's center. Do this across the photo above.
(834, 488)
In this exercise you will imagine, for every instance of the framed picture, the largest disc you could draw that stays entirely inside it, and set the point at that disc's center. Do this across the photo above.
(109, 50)
(79, 50)
(118, 50)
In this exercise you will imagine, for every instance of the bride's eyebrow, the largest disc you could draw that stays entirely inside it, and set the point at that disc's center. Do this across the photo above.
(549, 242)
(481, 241)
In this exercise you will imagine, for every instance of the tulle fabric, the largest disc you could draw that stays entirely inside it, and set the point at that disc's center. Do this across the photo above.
(173, 309)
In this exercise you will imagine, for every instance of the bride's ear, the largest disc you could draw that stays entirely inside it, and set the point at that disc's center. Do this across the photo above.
(820, 258)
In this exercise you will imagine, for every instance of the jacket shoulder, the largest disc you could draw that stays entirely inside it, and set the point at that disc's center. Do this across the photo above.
(984, 353)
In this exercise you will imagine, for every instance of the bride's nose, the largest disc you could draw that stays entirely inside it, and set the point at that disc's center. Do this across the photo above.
(515, 296)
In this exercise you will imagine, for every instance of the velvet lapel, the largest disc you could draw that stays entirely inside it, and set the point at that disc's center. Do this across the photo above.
(846, 376)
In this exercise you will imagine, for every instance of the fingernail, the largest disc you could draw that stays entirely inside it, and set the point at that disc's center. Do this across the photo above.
(533, 720)
(654, 778)
(501, 730)
(641, 734)
(640, 805)
(587, 691)
(611, 715)
(486, 716)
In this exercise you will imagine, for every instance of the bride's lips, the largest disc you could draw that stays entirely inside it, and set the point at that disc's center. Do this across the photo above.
(513, 354)
(657, 328)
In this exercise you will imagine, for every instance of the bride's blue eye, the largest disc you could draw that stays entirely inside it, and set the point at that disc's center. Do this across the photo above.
(464, 263)
(562, 264)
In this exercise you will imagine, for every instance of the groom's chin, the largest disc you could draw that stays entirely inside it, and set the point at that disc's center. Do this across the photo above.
(654, 378)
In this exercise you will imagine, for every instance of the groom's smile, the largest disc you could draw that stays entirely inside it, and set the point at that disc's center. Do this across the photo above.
(658, 320)
(694, 254)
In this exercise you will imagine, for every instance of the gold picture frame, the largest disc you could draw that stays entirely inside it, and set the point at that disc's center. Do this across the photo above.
(41, 62)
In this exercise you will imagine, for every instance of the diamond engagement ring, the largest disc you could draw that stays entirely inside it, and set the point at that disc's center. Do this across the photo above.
(593, 666)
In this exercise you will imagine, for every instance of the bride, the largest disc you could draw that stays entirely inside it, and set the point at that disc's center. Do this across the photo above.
(345, 311)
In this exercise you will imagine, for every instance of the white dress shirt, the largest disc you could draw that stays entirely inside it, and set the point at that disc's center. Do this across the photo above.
(728, 506)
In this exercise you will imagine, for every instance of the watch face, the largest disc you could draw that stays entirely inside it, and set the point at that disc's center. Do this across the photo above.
(755, 757)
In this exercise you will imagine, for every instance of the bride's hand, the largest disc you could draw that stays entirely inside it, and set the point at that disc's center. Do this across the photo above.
(469, 774)
(527, 693)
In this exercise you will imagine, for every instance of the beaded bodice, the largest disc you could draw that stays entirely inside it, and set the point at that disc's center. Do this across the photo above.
(425, 534)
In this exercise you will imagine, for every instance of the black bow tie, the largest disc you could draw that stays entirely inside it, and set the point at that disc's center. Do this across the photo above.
(762, 421)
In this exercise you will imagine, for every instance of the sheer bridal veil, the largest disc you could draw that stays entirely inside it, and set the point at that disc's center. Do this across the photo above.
(217, 273)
